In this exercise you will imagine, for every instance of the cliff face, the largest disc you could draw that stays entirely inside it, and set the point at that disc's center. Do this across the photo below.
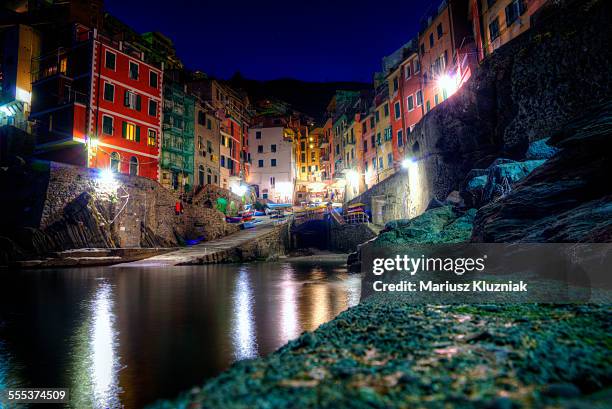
(528, 90)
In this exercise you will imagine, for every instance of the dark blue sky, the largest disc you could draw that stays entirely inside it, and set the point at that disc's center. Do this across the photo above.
(312, 40)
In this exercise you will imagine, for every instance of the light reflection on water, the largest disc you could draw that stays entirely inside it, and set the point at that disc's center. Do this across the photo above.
(126, 337)
(243, 334)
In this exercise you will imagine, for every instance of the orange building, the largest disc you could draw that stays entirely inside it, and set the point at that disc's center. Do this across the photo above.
(445, 45)
(412, 95)
(504, 20)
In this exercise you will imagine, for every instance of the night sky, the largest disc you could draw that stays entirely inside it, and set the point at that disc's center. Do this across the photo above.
(310, 40)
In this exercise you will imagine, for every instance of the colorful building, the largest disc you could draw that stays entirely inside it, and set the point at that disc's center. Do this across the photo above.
(97, 103)
(208, 139)
(19, 44)
(369, 148)
(274, 166)
(178, 145)
(385, 163)
(504, 20)
(447, 51)
(412, 95)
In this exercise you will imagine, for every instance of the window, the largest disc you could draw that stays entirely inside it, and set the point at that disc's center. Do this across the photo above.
(389, 160)
(152, 137)
(381, 164)
(107, 125)
(365, 146)
(302, 146)
(209, 148)
(152, 107)
(398, 111)
(436, 100)
(395, 84)
(514, 10)
(110, 60)
(109, 92)
(372, 123)
(208, 123)
(201, 118)
(152, 79)
(373, 163)
(222, 161)
(386, 109)
(378, 139)
(313, 156)
(407, 71)
(364, 127)
(431, 40)
(259, 148)
(258, 135)
(419, 98)
(131, 132)
(115, 160)
(134, 166)
(132, 100)
(494, 29)
(428, 107)
(400, 138)
(388, 134)
(373, 141)
(303, 169)
(410, 103)
(439, 30)
(272, 148)
(422, 49)
(260, 163)
(133, 74)
(303, 155)
(417, 66)
(273, 162)
(377, 116)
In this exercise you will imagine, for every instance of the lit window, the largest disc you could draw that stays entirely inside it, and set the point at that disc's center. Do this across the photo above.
(152, 138)
(131, 132)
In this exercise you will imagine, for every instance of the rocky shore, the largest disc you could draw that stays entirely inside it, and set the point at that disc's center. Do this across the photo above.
(381, 355)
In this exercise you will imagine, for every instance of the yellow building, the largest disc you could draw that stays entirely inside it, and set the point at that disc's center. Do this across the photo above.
(308, 154)
(504, 20)
(384, 141)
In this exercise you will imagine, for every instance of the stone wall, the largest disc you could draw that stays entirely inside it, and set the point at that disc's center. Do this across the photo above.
(527, 90)
(267, 247)
(137, 211)
(347, 237)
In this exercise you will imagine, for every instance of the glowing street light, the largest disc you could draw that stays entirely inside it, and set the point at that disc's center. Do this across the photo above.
(408, 163)
(240, 190)
(449, 84)
(352, 177)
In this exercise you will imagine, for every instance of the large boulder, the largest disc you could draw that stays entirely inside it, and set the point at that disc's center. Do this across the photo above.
(503, 174)
(443, 224)
(567, 199)
(540, 149)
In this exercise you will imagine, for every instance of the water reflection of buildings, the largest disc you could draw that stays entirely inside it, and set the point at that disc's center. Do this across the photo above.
(244, 338)
(96, 364)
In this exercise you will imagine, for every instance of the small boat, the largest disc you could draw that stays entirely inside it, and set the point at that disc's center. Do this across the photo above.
(233, 219)
(247, 225)
(258, 213)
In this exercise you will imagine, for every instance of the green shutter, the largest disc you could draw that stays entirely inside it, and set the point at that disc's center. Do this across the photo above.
(138, 102)
(124, 129)
(126, 98)
(137, 134)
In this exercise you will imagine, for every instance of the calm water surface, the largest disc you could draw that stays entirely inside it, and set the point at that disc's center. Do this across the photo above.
(128, 336)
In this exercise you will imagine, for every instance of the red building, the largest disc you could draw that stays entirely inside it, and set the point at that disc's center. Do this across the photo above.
(412, 93)
(97, 104)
